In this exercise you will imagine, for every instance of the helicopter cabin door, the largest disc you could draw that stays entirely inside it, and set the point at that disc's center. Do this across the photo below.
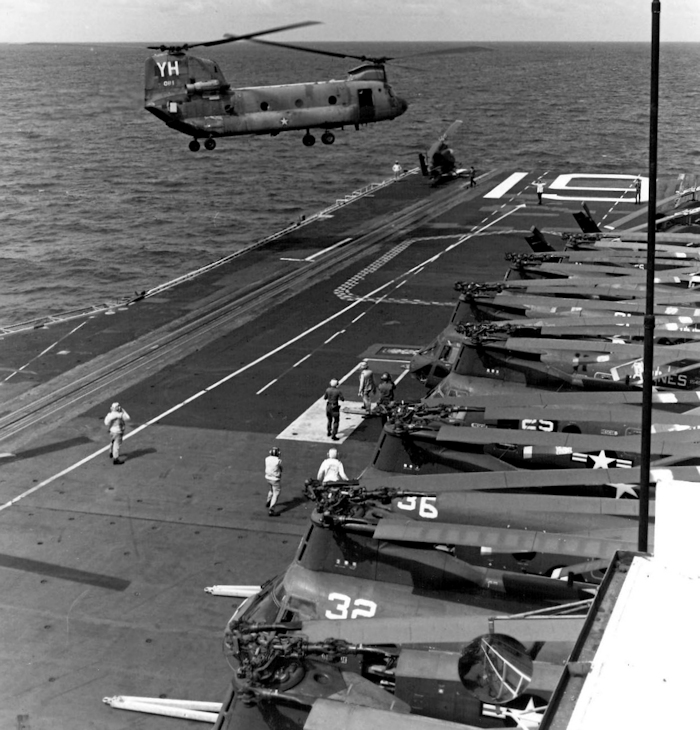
(366, 105)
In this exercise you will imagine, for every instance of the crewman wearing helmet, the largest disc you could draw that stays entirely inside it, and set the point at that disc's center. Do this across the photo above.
(273, 476)
(331, 469)
(116, 421)
(386, 390)
(333, 396)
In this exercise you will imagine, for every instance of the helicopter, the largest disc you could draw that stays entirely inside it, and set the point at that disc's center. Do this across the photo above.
(439, 163)
(191, 95)
(435, 361)
(557, 430)
(289, 644)
(395, 593)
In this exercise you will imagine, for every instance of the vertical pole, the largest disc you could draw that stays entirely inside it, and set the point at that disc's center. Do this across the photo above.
(649, 320)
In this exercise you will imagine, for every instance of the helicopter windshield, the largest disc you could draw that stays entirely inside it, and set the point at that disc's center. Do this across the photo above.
(264, 606)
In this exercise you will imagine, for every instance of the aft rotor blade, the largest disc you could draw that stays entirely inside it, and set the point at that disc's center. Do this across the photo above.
(228, 38)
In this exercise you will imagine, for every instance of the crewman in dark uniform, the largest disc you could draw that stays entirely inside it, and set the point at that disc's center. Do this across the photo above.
(386, 390)
(333, 396)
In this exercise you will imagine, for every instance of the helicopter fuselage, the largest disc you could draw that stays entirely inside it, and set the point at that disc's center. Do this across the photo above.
(191, 95)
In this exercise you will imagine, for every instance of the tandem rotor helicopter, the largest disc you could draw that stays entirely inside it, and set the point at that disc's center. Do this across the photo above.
(191, 95)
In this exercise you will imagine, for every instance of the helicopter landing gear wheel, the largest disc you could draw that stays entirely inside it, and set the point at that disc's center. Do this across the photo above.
(194, 146)
(210, 143)
(309, 140)
(328, 138)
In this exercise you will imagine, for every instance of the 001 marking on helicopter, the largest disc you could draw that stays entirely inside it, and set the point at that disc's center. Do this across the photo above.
(363, 608)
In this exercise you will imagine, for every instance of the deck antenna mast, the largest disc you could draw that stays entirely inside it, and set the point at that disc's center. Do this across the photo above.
(649, 319)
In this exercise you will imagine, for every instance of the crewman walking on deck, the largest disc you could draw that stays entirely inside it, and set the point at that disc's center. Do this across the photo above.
(539, 188)
(116, 421)
(273, 476)
(397, 170)
(331, 469)
(637, 191)
(367, 387)
(386, 390)
(472, 177)
(333, 396)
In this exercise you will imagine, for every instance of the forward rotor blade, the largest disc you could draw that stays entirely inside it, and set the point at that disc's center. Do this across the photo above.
(333, 714)
(334, 54)
(442, 629)
(500, 539)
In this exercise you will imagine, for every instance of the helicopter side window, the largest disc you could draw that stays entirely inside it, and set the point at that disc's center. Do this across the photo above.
(264, 106)
(299, 103)
(332, 100)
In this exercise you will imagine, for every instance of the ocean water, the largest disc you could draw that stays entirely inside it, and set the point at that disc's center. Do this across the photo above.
(98, 199)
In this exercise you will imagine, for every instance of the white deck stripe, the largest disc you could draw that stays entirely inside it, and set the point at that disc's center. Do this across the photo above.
(502, 188)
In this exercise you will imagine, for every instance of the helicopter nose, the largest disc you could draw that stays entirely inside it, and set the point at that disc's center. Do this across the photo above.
(403, 105)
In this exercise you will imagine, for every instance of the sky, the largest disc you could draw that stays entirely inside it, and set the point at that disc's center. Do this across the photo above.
(94, 21)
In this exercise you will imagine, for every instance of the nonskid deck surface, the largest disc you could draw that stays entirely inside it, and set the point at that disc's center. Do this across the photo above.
(104, 566)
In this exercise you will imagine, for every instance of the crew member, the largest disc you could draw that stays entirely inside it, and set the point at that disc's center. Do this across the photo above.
(273, 476)
(116, 421)
(397, 170)
(331, 469)
(367, 387)
(539, 188)
(333, 396)
(386, 389)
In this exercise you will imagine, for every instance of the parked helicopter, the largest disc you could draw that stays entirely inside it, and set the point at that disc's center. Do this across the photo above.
(435, 361)
(344, 570)
(191, 95)
(423, 595)
(439, 163)
(455, 438)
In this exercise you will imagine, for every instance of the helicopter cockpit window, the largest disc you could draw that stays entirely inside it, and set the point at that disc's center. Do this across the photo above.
(265, 606)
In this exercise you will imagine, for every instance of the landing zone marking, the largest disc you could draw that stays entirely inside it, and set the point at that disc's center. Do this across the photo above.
(502, 188)
(311, 424)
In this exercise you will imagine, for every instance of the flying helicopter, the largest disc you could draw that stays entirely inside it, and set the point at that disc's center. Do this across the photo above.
(191, 95)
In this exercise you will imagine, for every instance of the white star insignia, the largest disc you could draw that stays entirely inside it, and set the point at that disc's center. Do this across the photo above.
(621, 489)
(530, 717)
(601, 461)
(284, 121)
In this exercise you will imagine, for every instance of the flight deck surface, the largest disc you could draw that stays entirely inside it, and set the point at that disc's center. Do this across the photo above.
(104, 566)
